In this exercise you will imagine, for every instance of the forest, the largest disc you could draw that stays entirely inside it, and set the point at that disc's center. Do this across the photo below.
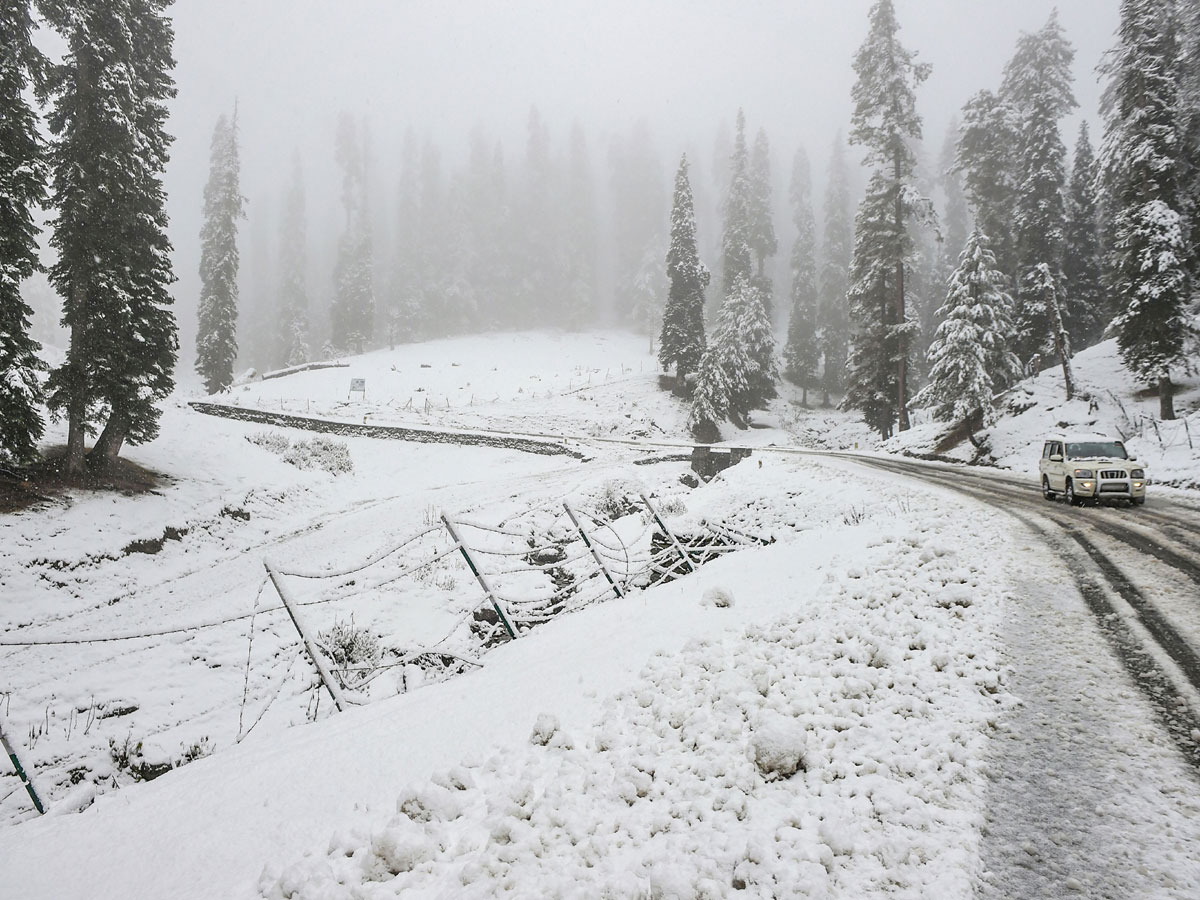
(934, 273)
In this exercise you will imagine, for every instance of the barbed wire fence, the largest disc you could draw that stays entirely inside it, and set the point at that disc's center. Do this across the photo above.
(530, 568)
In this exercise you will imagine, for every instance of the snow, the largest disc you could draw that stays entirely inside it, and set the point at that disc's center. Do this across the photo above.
(834, 714)
(1110, 402)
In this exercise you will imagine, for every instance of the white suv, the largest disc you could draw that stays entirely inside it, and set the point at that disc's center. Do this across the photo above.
(1090, 466)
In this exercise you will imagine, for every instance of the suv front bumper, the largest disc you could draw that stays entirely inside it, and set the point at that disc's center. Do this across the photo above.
(1111, 488)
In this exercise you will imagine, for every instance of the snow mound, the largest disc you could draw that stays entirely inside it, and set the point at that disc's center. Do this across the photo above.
(719, 597)
(779, 745)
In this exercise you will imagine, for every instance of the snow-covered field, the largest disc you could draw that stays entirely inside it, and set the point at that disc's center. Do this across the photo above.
(809, 718)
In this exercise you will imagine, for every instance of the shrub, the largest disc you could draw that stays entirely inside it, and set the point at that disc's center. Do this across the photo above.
(275, 441)
(351, 647)
(320, 453)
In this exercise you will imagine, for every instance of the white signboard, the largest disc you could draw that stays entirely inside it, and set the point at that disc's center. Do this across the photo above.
(358, 384)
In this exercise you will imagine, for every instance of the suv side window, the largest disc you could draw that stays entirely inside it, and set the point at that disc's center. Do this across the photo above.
(1057, 448)
(1048, 449)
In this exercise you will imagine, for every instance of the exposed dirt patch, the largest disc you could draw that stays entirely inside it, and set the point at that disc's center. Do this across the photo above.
(42, 482)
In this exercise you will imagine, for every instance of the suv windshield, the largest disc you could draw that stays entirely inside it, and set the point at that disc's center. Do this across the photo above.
(1097, 450)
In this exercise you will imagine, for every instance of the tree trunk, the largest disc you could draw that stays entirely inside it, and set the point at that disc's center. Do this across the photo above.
(108, 445)
(1062, 344)
(902, 350)
(73, 465)
(804, 402)
(1166, 398)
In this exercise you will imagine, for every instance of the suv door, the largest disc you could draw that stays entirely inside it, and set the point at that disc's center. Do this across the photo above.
(1056, 469)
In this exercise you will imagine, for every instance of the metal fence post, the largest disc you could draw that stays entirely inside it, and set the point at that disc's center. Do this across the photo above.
(663, 525)
(322, 670)
(479, 576)
(25, 779)
(595, 554)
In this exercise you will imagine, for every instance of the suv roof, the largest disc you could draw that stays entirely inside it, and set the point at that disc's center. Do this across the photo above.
(1074, 436)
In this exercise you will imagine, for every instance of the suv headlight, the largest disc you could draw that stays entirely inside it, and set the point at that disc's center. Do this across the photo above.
(1083, 473)
(1138, 473)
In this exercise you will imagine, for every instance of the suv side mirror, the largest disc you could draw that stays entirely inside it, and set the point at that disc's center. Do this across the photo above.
(1056, 457)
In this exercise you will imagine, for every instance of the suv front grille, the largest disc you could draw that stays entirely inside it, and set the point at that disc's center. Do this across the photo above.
(1114, 487)
(1112, 473)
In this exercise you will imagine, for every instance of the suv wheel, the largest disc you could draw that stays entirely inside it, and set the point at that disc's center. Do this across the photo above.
(1046, 492)
(1138, 501)
(1072, 500)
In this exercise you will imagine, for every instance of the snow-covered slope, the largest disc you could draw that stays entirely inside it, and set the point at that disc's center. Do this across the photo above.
(1109, 401)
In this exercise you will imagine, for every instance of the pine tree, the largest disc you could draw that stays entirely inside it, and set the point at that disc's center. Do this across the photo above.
(956, 226)
(216, 339)
(802, 352)
(291, 337)
(113, 264)
(681, 341)
(970, 356)
(353, 311)
(886, 123)
(1141, 156)
(833, 320)
(1037, 85)
(738, 235)
(710, 399)
(871, 380)
(762, 229)
(22, 187)
(986, 160)
(1087, 307)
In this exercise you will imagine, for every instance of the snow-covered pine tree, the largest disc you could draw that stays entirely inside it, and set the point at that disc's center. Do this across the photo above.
(1141, 158)
(970, 359)
(291, 336)
(710, 399)
(833, 321)
(1037, 86)
(216, 338)
(875, 345)
(113, 264)
(22, 187)
(762, 227)
(1087, 308)
(737, 236)
(986, 159)
(353, 312)
(802, 352)
(681, 340)
(956, 225)
(886, 123)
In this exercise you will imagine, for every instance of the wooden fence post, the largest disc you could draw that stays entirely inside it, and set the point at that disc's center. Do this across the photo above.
(479, 576)
(25, 779)
(327, 679)
(595, 554)
(663, 525)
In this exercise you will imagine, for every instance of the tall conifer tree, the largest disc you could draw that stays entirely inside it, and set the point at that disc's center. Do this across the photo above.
(216, 339)
(833, 320)
(353, 312)
(291, 336)
(970, 359)
(681, 342)
(113, 264)
(1087, 308)
(1037, 86)
(886, 123)
(987, 161)
(1141, 157)
(802, 352)
(762, 227)
(22, 187)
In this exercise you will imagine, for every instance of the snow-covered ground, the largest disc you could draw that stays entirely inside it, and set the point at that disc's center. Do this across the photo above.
(1109, 401)
(817, 717)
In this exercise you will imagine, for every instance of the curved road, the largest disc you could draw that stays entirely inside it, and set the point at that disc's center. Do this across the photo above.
(1138, 569)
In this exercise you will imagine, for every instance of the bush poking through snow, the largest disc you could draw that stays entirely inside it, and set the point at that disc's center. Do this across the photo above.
(275, 441)
(779, 744)
(544, 729)
(718, 597)
(320, 453)
(351, 647)
(618, 498)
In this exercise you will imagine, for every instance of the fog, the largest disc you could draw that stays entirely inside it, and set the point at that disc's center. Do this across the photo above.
(444, 69)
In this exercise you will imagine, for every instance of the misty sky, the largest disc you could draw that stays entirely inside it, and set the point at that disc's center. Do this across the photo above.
(443, 66)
